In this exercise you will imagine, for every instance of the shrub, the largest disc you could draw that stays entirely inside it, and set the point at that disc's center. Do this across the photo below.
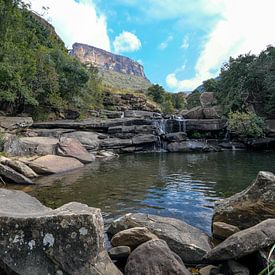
(246, 124)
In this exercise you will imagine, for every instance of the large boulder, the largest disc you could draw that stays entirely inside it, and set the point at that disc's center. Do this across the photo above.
(244, 242)
(144, 139)
(12, 123)
(52, 164)
(207, 99)
(38, 240)
(10, 174)
(251, 206)
(71, 147)
(212, 112)
(132, 237)
(195, 113)
(28, 146)
(189, 146)
(190, 243)
(19, 167)
(154, 257)
(222, 230)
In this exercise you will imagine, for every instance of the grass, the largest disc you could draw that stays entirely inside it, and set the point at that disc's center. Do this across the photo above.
(270, 269)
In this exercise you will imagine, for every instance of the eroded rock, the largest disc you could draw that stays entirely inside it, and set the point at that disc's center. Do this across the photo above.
(223, 230)
(11, 174)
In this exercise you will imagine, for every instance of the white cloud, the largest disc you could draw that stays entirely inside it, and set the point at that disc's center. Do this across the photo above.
(75, 21)
(245, 26)
(163, 45)
(185, 42)
(126, 42)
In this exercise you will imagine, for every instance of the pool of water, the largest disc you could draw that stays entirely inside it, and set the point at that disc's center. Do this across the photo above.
(183, 186)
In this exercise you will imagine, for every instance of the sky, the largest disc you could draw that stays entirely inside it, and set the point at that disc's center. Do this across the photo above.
(180, 43)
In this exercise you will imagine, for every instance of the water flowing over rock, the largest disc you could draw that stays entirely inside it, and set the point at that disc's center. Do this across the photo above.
(190, 243)
(154, 257)
(38, 240)
(251, 206)
(52, 164)
(244, 242)
(71, 147)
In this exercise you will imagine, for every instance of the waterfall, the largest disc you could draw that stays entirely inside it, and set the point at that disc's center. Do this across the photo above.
(161, 126)
(181, 124)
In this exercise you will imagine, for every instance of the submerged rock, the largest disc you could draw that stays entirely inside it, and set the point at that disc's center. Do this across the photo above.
(52, 164)
(154, 257)
(71, 147)
(11, 174)
(190, 243)
(133, 237)
(244, 242)
(38, 240)
(251, 206)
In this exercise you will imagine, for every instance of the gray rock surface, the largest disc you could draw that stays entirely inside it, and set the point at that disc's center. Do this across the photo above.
(234, 268)
(223, 230)
(190, 243)
(189, 146)
(52, 164)
(194, 113)
(132, 237)
(154, 257)
(71, 147)
(244, 242)
(251, 206)
(13, 176)
(38, 240)
(11, 123)
(207, 99)
(119, 252)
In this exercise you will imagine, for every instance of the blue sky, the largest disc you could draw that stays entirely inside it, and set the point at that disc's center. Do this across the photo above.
(179, 42)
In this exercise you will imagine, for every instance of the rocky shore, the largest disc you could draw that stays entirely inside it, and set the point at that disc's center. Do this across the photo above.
(69, 240)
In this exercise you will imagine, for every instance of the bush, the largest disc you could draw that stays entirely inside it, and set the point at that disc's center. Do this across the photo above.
(246, 124)
(193, 100)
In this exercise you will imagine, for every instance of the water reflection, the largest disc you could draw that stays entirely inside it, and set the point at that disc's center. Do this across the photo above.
(184, 186)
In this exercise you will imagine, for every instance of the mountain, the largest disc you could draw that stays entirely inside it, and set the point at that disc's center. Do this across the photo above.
(119, 72)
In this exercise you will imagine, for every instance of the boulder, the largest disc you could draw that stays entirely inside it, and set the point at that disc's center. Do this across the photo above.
(244, 242)
(71, 147)
(212, 112)
(223, 230)
(209, 270)
(115, 143)
(119, 252)
(194, 113)
(154, 257)
(52, 164)
(234, 268)
(11, 123)
(38, 240)
(106, 154)
(9, 173)
(190, 243)
(207, 99)
(19, 167)
(251, 206)
(175, 137)
(189, 146)
(205, 124)
(144, 139)
(133, 237)
(28, 146)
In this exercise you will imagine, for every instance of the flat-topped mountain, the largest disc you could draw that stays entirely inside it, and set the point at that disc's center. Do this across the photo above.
(117, 71)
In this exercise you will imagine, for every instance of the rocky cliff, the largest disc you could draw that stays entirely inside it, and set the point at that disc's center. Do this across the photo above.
(105, 60)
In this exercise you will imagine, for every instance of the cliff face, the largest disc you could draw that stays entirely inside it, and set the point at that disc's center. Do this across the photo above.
(106, 60)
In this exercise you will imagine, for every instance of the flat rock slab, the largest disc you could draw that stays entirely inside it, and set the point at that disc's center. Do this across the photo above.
(71, 147)
(38, 240)
(14, 176)
(251, 206)
(190, 243)
(52, 164)
(11, 123)
(154, 257)
(244, 242)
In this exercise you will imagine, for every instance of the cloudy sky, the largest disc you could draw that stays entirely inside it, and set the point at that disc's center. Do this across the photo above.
(179, 42)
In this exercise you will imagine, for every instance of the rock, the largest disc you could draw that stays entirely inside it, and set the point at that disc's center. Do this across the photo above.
(234, 268)
(212, 112)
(53, 133)
(188, 242)
(205, 124)
(232, 145)
(207, 99)
(223, 230)
(28, 146)
(194, 113)
(111, 114)
(19, 167)
(11, 123)
(175, 137)
(12, 175)
(141, 114)
(270, 127)
(39, 240)
(144, 139)
(106, 154)
(71, 147)
(209, 270)
(189, 146)
(262, 143)
(133, 237)
(119, 252)
(90, 140)
(154, 257)
(244, 242)
(115, 143)
(52, 164)
(251, 206)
